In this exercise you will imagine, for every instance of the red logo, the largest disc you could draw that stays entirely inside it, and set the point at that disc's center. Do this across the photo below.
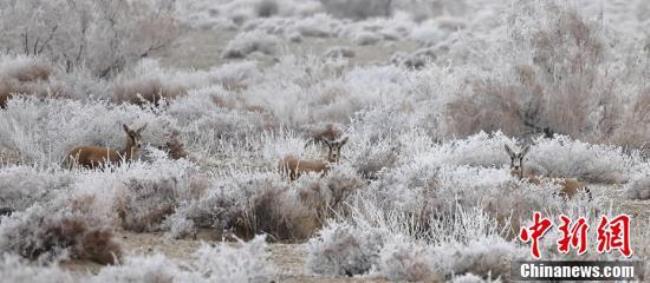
(535, 232)
(612, 235)
(573, 236)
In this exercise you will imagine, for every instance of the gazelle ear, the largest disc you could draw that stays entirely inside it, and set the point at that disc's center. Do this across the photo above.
(126, 128)
(525, 150)
(327, 142)
(509, 151)
(344, 141)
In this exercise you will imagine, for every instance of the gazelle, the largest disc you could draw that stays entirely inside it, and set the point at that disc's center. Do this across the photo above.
(293, 166)
(570, 186)
(95, 156)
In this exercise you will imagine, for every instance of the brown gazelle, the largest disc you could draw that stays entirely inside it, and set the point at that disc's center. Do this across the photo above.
(96, 156)
(293, 166)
(570, 186)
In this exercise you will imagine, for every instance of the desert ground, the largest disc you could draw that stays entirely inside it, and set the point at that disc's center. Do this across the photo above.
(316, 140)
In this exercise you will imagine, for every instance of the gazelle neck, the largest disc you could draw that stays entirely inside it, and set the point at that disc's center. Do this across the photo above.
(129, 149)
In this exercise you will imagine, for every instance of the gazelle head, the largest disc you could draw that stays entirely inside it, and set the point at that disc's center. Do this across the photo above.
(334, 154)
(517, 160)
(134, 138)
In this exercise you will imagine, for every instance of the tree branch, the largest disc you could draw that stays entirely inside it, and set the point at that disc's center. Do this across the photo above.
(47, 42)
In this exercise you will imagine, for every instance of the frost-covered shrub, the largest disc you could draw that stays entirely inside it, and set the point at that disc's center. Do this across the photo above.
(342, 249)
(375, 158)
(339, 52)
(16, 269)
(358, 9)
(21, 186)
(402, 260)
(212, 209)
(489, 257)
(631, 131)
(48, 233)
(143, 204)
(249, 42)
(156, 268)
(267, 8)
(247, 263)
(563, 157)
(366, 38)
(319, 25)
(274, 209)
(330, 194)
(563, 90)
(261, 203)
(30, 76)
(469, 114)
(470, 278)
(372, 243)
(24, 68)
(146, 91)
(236, 75)
(639, 188)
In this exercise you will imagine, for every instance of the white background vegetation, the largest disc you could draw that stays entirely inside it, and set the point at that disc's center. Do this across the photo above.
(423, 191)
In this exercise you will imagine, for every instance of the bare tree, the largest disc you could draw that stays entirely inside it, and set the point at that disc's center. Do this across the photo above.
(102, 35)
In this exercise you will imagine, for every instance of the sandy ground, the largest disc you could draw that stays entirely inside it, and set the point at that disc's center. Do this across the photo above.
(202, 49)
(288, 259)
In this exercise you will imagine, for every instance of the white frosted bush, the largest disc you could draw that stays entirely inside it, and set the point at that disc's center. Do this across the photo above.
(358, 9)
(563, 157)
(639, 187)
(402, 260)
(55, 231)
(22, 186)
(319, 25)
(249, 42)
(486, 257)
(246, 263)
(470, 278)
(16, 269)
(341, 249)
(366, 38)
